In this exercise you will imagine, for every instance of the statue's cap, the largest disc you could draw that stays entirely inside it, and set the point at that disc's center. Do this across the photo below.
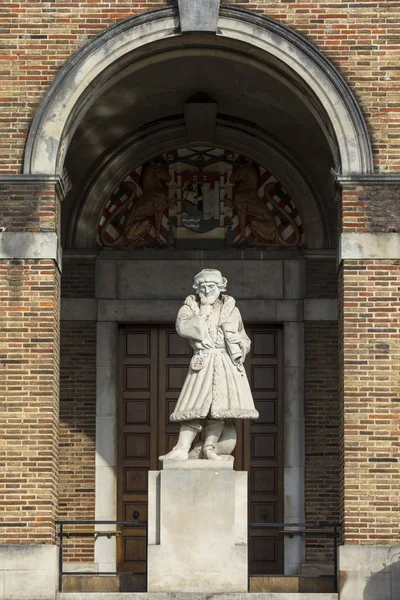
(210, 275)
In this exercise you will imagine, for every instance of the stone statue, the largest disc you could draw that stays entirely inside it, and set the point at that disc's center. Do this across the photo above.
(216, 388)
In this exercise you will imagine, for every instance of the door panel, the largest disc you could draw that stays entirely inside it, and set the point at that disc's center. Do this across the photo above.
(264, 438)
(154, 361)
(137, 424)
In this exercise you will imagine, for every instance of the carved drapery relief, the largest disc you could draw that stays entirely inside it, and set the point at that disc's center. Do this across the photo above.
(200, 198)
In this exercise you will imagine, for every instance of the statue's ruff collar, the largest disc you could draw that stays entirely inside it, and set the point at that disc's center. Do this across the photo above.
(228, 304)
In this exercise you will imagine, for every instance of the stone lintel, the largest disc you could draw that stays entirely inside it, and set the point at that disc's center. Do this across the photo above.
(321, 309)
(30, 245)
(358, 246)
(165, 311)
(78, 309)
(373, 179)
(198, 15)
(259, 280)
(140, 311)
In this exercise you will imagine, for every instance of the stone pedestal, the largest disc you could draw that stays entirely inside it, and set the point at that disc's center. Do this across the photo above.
(197, 538)
(369, 572)
(28, 571)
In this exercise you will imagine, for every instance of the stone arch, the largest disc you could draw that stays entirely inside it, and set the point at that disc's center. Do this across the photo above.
(73, 91)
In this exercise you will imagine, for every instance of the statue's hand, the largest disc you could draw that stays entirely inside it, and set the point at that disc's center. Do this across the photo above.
(235, 339)
(205, 310)
(204, 344)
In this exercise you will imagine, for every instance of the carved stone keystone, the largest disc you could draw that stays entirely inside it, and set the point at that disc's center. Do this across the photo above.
(198, 15)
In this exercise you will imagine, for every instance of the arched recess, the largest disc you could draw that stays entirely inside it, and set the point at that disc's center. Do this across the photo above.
(79, 82)
(164, 137)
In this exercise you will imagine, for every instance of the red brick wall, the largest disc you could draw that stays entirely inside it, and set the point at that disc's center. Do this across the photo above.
(361, 38)
(29, 376)
(33, 208)
(77, 431)
(29, 372)
(78, 277)
(322, 434)
(371, 209)
(370, 330)
(321, 278)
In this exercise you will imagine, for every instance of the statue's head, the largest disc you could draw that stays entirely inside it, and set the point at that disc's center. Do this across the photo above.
(209, 284)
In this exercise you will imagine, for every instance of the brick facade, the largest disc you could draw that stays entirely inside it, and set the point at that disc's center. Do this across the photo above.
(322, 475)
(369, 363)
(321, 278)
(29, 375)
(361, 39)
(322, 434)
(29, 388)
(77, 431)
(78, 278)
(370, 209)
(370, 324)
(34, 209)
(47, 457)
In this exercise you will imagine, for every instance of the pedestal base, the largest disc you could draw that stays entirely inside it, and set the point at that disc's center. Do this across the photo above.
(197, 538)
(28, 571)
(369, 572)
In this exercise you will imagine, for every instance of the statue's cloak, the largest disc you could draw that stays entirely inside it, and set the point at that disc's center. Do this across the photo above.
(219, 390)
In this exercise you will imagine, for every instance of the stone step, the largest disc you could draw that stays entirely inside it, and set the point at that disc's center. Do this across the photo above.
(96, 583)
(194, 596)
(284, 583)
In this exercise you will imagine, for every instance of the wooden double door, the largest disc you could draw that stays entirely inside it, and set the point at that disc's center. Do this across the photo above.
(153, 365)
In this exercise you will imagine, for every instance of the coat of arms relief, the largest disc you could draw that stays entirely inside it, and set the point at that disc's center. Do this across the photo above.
(200, 198)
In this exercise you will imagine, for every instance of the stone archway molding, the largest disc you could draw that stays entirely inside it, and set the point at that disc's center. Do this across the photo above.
(68, 97)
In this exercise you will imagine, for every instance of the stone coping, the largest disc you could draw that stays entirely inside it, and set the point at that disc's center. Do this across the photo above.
(197, 596)
(195, 464)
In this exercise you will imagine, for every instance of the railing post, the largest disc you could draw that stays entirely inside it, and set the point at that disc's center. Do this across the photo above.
(307, 528)
(60, 559)
(248, 556)
(335, 561)
(147, 553)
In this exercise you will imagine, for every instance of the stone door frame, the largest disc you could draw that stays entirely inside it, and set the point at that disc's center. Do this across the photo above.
(106, 446)
(291, 311)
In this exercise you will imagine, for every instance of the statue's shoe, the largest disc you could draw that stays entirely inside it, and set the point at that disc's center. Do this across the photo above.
(196, 451)
(210, 454)
(175, 454)
(228, 457)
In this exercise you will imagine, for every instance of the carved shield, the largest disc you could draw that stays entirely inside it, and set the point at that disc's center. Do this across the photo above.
(200, 201)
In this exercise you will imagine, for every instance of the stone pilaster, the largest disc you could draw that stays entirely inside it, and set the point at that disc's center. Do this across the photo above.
(29, 357)
(369, 358)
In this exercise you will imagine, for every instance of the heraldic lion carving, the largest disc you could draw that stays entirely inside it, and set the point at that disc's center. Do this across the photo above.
(253, 210)
(150, 205)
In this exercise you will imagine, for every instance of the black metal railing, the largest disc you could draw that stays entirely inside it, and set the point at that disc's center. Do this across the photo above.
(321, 528)
(290, 529)
(96, 534)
